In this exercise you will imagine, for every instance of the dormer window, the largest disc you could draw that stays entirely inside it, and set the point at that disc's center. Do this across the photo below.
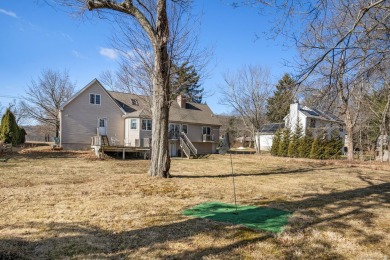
(134, 102)
(94, 99)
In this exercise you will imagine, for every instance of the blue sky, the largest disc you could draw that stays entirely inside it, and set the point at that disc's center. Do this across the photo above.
(36, 36)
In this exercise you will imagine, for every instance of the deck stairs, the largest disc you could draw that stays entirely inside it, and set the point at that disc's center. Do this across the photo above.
(187, 147)
(105, 141)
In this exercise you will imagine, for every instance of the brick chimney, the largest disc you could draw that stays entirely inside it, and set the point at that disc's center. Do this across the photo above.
(181, 100)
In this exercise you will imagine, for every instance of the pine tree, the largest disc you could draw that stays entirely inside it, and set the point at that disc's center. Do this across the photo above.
(283, 145)
(293, 147)
(9, 132)
(335, 145)
(305, 144)
(186, 82)
(279, 104)
(22, 135)
(314, 149)
(275, 142)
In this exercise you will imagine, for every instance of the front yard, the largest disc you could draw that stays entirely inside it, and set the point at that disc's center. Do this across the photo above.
(70, 205)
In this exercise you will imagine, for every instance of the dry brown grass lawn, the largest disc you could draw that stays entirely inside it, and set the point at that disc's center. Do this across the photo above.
(69, 205)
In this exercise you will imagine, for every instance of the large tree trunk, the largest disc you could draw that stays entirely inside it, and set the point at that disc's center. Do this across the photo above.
(158, 36)
(160, 160)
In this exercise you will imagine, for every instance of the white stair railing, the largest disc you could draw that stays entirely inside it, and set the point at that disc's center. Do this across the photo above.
(189, 143)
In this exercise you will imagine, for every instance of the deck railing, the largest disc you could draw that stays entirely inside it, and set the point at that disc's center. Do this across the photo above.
(185, 148)
(207, 138)
(96, 140)
(189, 143)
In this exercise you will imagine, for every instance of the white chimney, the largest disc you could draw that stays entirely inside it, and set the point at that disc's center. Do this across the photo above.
(181, 100)
(294, 114)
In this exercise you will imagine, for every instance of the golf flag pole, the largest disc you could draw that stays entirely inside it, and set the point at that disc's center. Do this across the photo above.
(234, 184)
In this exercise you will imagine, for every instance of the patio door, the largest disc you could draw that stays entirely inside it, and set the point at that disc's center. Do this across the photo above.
(102, 126)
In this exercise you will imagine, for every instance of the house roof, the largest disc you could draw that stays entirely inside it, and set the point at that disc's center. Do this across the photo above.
(139, 106)
(132, 105)
(315, 113)
(271, 128)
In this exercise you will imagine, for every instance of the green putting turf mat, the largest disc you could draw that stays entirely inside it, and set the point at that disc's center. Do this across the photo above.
(261, 218)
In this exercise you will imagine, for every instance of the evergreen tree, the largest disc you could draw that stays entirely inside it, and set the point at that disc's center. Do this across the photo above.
(22, 135)
(275, 142)
(9, 132)
(314, 149)
(335, 145)
(293, 147)
(305, 144)
(279, 104)
(319, 149)
(283, 145)
(185, 81)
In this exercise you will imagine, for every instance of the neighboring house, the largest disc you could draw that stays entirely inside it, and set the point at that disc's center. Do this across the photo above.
(313, 120)
(126, 121)
(266, 134)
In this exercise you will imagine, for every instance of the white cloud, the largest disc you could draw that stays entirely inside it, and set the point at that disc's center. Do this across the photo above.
(109, 53)
(9, 13)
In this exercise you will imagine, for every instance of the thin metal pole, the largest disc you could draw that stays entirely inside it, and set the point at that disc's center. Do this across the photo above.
(234, 184)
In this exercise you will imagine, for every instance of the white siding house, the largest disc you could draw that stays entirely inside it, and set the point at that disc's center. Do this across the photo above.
(313, 120)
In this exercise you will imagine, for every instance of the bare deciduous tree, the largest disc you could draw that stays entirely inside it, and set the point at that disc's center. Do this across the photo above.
(247, 92)
(343, 51)
(45, 97)
(150, 35)
(342, 43)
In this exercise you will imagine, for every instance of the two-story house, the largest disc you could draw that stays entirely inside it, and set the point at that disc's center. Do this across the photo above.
(313, 120)
(125, 119)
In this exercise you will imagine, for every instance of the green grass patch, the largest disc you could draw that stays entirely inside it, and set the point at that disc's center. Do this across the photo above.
(259, 218)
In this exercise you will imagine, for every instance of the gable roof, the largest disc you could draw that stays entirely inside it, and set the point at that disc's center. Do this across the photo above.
(318, 114)
(193, 113)
(94, 81)
(132, 105)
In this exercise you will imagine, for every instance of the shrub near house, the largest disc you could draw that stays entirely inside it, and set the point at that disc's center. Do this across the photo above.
(307, 146)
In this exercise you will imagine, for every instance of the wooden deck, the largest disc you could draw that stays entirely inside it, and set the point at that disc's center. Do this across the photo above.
(124, 149)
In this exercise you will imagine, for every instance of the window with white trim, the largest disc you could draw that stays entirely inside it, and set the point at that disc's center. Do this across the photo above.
(133, 123)
(206, 130)
(94, 99)
(147, 124)
(173, 131)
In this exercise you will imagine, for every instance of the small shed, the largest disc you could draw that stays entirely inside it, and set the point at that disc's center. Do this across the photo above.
(265, 135)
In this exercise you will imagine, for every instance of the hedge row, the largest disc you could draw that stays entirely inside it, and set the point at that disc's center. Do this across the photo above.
(296, 145)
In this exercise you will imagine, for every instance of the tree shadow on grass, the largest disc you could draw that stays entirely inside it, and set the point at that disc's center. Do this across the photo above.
(81, 240)
(338, 210)
(273, 172)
